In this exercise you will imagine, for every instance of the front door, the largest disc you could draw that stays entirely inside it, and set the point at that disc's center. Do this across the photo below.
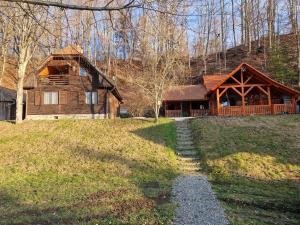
(186, 109)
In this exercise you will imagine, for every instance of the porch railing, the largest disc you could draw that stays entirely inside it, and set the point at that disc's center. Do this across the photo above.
(257, 110)
(173, 113)
(200, 112)
(283, 108)
(238, 110)
(230, 111)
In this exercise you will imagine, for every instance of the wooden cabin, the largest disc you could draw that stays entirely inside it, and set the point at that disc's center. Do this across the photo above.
(244, 91)
(67, 85)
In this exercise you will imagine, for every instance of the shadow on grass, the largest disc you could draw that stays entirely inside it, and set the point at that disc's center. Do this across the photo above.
(116, 206)
(159, 133)
(249, 200)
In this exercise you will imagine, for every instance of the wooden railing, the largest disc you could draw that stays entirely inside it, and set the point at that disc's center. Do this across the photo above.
(284, 108)
(257, 110)
(173, 113)
(230, 111)
(59, 79)
(200, 112)
(239, 110)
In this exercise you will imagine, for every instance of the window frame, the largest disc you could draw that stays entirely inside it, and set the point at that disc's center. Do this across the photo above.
(50, 96)
(91, 97)
(81, 69)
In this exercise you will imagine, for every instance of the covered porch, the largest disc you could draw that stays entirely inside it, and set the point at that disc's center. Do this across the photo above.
(186, 108)
(248, 92)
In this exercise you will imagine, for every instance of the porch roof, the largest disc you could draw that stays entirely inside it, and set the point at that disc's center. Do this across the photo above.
(185, 93)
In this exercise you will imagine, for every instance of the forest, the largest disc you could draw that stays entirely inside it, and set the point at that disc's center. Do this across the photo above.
(148, 45)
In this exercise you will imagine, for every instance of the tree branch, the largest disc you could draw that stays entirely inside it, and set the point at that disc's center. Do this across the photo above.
(76, 7)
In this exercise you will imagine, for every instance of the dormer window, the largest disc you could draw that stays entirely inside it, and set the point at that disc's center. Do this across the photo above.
(82, 72)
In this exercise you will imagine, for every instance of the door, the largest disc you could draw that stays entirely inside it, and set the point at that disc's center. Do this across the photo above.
(186, 109)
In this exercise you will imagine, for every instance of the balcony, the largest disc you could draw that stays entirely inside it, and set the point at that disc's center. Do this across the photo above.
(55, 79)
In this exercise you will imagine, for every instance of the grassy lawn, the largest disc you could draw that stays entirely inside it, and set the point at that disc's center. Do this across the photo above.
(87, 172)
(254, 166)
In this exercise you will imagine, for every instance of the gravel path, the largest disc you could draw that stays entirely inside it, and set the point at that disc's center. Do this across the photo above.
(197, 204)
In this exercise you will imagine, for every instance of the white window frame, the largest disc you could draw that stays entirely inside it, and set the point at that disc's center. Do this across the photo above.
(82, 72)
(51, 98)
(91, 97)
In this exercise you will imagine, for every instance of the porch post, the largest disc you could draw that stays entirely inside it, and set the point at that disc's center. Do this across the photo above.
(181, 108)
(294, 104)
(269, 99)
(218, 101)
(243, 92)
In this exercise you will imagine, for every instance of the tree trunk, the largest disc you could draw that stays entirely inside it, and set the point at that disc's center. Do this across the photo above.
(20, 92)
(156, 111)
(233, 22)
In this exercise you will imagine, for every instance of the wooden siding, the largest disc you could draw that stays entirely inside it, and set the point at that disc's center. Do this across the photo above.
(71, 90)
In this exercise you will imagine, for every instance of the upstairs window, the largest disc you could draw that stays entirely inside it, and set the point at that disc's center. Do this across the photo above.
(50, 98)
(82, 72)
(91, 97)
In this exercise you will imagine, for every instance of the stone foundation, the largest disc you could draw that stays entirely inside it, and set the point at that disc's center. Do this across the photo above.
(60, 116)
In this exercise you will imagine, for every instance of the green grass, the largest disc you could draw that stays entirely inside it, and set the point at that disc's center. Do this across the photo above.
(87, 172)
(254, 166)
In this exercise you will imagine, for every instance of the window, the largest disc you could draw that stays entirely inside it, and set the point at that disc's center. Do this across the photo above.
(91, 98)
(50, 98)
(82, 72)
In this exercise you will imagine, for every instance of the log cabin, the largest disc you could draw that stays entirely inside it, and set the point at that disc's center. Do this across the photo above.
(67, 85)
(244, 91)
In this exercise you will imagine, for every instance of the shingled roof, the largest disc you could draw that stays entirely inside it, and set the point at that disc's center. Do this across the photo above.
(185, 93)
(210, 81)
(69, 50)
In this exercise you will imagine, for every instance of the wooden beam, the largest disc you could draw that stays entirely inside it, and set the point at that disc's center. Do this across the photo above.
(249, 78)
(221, 94)
(270, 100)
(247, 92)
(181, 108)
(243, 92)
(245, 85)
(218, 100)
(263, 90)
(236, 90)
(236, 80)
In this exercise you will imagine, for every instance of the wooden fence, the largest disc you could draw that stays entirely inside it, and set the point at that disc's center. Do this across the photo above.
(284, 108)
(239, 110)
(200, 112)
(173, 113)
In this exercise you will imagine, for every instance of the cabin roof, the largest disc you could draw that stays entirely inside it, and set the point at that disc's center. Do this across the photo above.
(212, 80)
(7, 95)
(185, 93)
(69, 50)
(258, 74)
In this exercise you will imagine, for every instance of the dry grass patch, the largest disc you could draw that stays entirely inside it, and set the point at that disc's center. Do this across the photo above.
(254, 165)
(86, 172)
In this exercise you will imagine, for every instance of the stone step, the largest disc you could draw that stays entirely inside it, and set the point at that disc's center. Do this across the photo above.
(189, 164)
(190, 169)
(183, 148)
(182, 136)
(189, 159)
(185, 138)
(183, 128)
(185, 143)
(186, 153)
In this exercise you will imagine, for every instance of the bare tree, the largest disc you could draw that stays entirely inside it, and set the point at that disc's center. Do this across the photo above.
(6, 34)
(26, 34)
